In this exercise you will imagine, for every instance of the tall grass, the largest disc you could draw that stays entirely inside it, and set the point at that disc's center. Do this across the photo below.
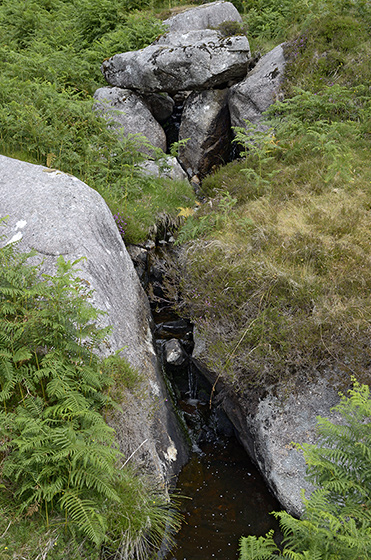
(279, 288)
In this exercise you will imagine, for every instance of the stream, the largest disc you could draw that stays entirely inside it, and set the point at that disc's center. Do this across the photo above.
(222, 494)
(227, 498)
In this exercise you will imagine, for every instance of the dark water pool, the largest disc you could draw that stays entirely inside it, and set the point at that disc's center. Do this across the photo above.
(228, 499)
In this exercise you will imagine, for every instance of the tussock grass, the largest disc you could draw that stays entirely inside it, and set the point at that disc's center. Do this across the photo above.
(279, 286)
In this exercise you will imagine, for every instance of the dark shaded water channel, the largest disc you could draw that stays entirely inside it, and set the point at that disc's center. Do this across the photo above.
(223, 494)
(228, 499)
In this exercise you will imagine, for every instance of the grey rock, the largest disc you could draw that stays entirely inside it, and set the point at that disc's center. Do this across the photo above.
(281, 420)
(169, 167)
(268, 426)
(127, 113)
(57, 214)
(191, 61)
(174, 353)
(203, 17)
(206, 124)
(161, 105)
(260, 88)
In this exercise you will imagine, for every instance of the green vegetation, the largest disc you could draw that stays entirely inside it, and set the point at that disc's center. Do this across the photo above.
(62, 490)
(336, 521)
(51, 52)
(276, 273)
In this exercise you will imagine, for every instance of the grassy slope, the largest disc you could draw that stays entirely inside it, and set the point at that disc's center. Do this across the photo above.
(277, 276)
(51, 52)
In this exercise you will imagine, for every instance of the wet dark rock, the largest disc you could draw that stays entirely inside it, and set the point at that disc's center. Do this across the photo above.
(206, 125)
(139, 257)
(178, 328)
(161, 105)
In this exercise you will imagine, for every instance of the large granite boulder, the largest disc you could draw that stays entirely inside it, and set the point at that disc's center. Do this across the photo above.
(249, 98)
(207, 16)
(195, 60)
(268, 426)
(206, 124)
(127, 113)
(57, 214)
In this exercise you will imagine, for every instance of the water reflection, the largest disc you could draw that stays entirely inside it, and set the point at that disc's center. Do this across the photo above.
(229, 499)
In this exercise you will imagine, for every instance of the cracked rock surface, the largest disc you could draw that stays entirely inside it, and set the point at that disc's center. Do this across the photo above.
(178, 62)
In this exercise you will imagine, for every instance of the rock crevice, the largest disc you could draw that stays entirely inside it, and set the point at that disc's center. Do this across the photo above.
(195, 58)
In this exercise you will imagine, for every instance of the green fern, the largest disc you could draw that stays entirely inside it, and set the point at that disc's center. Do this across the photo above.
(336, 524)
(84, 513)
(59, 457)
(258, 548)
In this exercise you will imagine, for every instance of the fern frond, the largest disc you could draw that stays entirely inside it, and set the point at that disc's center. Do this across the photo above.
(83, 512)
(258, 548)
(88, 478)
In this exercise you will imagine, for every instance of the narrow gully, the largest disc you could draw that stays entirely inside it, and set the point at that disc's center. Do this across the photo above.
(223, 495)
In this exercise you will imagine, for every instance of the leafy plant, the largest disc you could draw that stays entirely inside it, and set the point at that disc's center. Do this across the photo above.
(59, 458)
(256, 142)
(59, 453)
(336, 521)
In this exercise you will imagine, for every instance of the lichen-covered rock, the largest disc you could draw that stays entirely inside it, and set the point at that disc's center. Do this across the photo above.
(207, 16)
(206, 124)
(249, 98)
(281, 420)
(127, 113)
(57, 214)
(169, 167)
(195, 60)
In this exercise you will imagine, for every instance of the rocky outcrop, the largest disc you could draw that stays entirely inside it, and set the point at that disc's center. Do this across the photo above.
(177, 62)
(57, 214)
(251, 97)
(208, 16)
(127, 113)
(206, 125)
(268, 425)
(198, 56)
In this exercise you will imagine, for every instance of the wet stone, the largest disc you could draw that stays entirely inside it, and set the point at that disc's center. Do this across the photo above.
(174, 353)
(174, 329)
